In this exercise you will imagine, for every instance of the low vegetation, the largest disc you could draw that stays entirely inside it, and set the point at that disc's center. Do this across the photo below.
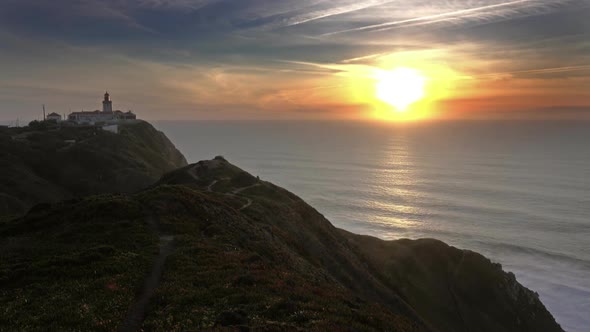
(277, 264)
(73, 266)
(45, 164)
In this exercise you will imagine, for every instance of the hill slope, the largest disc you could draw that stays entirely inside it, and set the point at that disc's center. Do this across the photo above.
(244, 253)
(44, 165)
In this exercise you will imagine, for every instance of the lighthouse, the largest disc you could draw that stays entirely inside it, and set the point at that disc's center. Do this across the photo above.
(107, 104)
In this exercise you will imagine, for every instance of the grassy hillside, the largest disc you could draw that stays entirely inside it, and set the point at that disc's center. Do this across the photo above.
(246, 253)
(73, 266)
(43, 164)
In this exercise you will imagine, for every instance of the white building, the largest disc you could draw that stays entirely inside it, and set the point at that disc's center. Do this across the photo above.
(53, 117)
(106, 116)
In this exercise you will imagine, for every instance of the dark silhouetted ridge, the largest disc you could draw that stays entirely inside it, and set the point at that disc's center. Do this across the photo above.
(247, 255)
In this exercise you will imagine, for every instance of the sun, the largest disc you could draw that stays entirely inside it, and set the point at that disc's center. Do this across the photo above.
(400, 87)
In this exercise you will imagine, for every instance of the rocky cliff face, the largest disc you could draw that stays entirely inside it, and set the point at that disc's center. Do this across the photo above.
(243, 253)
(42, 165)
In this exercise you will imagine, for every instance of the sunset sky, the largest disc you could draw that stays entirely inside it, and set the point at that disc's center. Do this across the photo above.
(296, 59)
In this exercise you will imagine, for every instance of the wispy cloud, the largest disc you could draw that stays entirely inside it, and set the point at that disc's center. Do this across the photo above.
(221, 54)
(171, 4)
(55, 15)
(464, 13)
(339, 9)
(581, 69)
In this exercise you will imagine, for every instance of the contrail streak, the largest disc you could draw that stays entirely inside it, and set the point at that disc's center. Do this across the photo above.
(426, 19)
(536, 71)
(336, 11)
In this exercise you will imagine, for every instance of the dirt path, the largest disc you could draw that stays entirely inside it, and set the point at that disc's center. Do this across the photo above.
(236, 192)
(136, 314)
(249, 201)
(193, 175)
(210, 186)
(239, 190)
(247, 204)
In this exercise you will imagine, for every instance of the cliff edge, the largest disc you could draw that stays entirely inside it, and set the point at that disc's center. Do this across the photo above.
(45, 165)
(241, 253)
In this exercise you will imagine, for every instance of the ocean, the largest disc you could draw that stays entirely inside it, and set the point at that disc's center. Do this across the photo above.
(517, 192)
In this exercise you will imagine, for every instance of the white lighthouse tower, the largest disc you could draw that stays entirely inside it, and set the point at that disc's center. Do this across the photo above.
(107, 104)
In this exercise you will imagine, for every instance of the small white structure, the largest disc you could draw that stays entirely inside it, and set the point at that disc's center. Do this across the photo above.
(111, 128)
(107, 116)
(53, 117)
(125, 115)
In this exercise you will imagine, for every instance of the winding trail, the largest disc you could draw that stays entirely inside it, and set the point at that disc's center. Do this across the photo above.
(210, 186)
(193, 175)
(136, 314)
(235, 193)
(246, 205)
(239, 190)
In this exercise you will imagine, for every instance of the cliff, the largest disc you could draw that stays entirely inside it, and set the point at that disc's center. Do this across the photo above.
(45, 165)
(211, 246)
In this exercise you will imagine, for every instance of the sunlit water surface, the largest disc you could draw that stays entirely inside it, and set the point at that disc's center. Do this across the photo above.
(517, 192)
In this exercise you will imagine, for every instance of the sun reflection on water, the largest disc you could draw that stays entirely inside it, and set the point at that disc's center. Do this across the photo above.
(395, 181)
